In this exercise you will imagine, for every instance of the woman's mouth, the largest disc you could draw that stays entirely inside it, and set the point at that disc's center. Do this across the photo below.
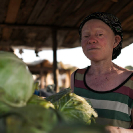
(93, 48)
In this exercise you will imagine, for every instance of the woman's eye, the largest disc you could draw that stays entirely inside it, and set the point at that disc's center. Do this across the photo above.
(100, 34)
(86, 36)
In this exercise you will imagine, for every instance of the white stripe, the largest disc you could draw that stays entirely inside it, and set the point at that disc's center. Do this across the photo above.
(111, 105)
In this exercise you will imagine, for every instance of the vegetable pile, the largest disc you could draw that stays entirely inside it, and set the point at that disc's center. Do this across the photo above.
(21, 111)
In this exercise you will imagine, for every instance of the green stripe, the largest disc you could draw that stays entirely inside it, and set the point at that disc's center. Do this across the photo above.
(130, 103)
(129, 84)
(103, 96)
(79, 76)
(110, 115)
(112, 122)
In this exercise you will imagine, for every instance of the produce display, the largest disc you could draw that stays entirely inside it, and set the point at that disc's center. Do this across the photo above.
(23, 112)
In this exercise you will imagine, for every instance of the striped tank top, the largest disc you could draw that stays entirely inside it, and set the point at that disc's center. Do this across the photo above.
(114, 106)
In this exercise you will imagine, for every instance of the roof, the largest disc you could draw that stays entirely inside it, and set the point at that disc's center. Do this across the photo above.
(46, 66)
(38, 24)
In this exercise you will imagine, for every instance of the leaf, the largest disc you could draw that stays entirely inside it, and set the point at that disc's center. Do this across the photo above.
(78, 128)
(55, 97)
(31, 117)
(36, 100)
(75, 108)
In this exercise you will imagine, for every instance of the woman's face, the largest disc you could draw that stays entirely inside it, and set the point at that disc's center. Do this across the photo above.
(98, 40)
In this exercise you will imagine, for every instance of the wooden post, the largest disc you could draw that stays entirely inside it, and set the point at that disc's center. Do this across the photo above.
(55, 69)
(41, 76)
(42, 81)
(68, 76)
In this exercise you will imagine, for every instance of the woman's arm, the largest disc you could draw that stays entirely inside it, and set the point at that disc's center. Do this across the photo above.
(112, 129)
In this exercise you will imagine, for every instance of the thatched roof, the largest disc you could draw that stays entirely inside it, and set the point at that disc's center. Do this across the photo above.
(35, 24)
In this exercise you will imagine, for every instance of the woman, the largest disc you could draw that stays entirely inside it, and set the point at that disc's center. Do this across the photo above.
(108, 86)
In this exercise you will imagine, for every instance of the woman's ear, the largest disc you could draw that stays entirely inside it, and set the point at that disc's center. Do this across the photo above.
(117, 40)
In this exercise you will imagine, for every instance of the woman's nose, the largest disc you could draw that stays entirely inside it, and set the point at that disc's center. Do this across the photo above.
(92, 40)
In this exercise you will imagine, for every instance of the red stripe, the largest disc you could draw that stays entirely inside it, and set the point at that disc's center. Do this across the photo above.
(126, 91)
(79, 84)
(131, 78)
(81, 71)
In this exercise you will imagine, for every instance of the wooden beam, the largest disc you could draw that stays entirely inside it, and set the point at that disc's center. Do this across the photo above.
(115, 0)
(11, 17)
(36, 11)
(12, 11)
(127, 42)
(42, 27)
(6, 33)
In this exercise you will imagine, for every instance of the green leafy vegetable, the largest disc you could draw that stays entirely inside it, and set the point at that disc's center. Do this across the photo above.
(78, 128)
(16, 81)
(55, 97)
(31, 119)
(36, 100)
(73, 108)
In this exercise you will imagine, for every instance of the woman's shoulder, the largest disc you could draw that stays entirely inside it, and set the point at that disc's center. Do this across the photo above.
(125, 71)
(82, 70)
(125, 74)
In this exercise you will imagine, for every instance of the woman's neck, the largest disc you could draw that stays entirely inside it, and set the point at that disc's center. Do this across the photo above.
(102, 68)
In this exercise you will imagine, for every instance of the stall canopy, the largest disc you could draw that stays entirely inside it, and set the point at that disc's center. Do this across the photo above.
(33, 23)
(53, 24)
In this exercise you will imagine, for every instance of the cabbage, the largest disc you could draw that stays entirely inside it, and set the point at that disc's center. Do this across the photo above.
(16, 81)
(73, 108)
(36, 100)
